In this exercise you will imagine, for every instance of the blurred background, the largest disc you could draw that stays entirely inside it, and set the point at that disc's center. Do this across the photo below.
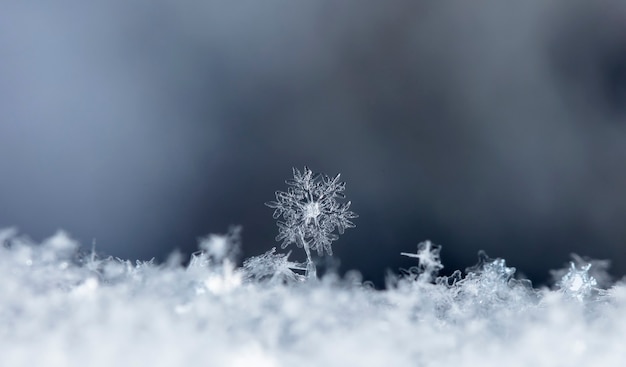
(145, 125)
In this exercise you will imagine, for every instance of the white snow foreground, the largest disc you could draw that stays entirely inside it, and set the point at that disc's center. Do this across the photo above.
(60, 308)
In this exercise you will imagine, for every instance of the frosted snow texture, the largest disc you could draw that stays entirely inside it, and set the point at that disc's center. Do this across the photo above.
(63, 307)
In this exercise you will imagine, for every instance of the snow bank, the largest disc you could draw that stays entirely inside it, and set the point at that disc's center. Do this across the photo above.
(63, 307)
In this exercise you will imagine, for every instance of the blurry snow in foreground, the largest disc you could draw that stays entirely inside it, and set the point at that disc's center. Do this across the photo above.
(60, 306)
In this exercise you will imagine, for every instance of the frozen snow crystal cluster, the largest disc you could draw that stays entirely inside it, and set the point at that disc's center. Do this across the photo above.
(63, 306)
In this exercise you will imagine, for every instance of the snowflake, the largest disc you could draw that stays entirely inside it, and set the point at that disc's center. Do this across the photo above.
(493, 270)
(577, 283)
(429, 261)
(491, 282)
(310, 212)
(272, 267)
(427, 254)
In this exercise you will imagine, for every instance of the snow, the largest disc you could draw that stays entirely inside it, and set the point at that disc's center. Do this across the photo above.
(61, 306)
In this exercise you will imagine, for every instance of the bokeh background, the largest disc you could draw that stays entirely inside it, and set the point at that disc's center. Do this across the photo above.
(491, 124)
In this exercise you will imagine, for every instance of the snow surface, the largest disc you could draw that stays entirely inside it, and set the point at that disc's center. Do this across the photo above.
(60, 306)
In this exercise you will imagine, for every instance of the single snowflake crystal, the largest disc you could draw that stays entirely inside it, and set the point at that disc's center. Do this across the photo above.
(272, 267)
(218, 248)
(577, 283)
(310, 211)
(492, 270)
(491, 281)
(311, 214)
(429, 261)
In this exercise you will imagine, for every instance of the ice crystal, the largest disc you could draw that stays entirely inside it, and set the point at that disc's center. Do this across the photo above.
(598, 269)
(272, 267)
(577, 283)
(491, 284)
(218, 248)
(429, 261)
(311, 215)
(493, 270)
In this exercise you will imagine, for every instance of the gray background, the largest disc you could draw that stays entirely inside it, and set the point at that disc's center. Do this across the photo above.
(491, 124)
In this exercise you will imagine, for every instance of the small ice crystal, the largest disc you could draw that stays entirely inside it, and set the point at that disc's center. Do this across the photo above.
(577, 283)
(272, 267)
(491, 280)
(219, 248)
(429, 261)
(492, 269)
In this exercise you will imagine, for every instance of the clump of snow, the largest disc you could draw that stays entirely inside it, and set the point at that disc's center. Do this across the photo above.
(63, 307)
